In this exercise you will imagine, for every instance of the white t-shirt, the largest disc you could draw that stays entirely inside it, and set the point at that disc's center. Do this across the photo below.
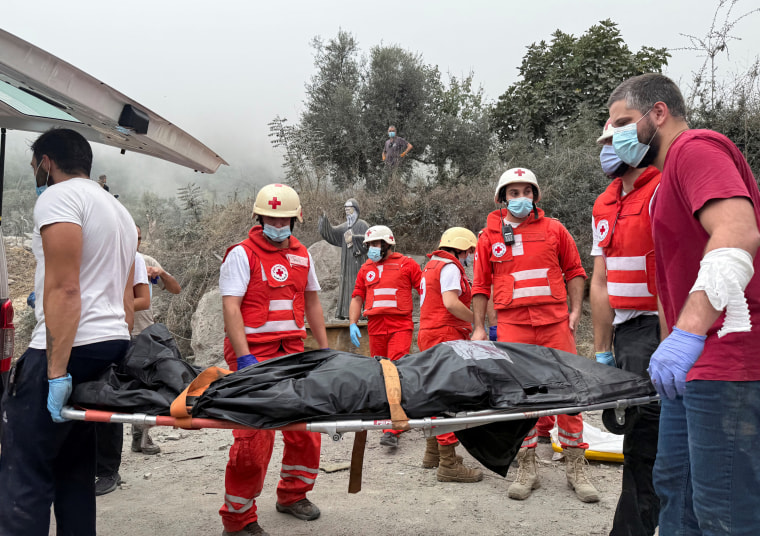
(621, 315)
(235, 274)
(141, 272)
(451, 279)
(109, 243)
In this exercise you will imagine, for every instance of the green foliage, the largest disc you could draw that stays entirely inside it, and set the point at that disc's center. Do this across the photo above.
(568, 77)
(350, 102)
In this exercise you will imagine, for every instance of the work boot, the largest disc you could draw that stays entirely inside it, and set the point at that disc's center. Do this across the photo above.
(575, 467)
(451, 468)
(431, 457)
(141, 441)
(303, 509)
(527, 475)
(389, 439)
(106, 484)
(251, 529)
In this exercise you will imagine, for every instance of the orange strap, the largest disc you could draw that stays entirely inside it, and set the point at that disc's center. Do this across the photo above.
(393, 392)
(357, 460)
(179, 409)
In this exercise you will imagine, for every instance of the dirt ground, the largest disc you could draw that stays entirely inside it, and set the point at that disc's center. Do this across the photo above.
(179, 492)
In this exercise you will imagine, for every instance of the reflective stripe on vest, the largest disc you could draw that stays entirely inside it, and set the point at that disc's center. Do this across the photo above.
(628, 264)
(277, 325)
(385, 292)
(526, 284)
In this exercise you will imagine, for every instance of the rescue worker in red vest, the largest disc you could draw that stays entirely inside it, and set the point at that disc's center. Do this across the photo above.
(445, 315)
(624, 310)
(384, 286)
(268, 284)
(534, 266)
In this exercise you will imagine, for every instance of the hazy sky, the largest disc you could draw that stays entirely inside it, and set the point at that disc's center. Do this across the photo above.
(222, 69)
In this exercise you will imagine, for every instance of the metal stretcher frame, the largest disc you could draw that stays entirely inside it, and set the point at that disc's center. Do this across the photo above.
(336, 428)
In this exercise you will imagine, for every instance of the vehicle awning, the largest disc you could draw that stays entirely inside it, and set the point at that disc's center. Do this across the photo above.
(39, 91)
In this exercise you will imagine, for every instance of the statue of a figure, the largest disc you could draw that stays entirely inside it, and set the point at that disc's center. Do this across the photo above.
(349, 237)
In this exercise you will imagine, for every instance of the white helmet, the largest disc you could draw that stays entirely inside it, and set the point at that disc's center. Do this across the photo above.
(278, 201)
(379, 232)
(514, 175)
(607, 133)
(458, 238)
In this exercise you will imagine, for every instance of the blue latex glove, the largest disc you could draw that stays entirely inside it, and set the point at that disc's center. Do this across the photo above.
(605, 358)
(492, 333)
(355, 335)
(246, 361)
(59, 390)
(31, 300)
(672, 361)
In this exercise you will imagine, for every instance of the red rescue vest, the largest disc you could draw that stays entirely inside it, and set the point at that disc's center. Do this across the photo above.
(274, 307)
(625, 231)
(527, 272)
(389, 290)
(433, 312)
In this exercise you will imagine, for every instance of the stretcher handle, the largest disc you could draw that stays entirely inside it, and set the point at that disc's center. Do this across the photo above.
(179, 409)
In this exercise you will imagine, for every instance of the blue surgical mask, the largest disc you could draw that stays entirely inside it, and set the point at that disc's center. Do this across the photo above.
(391, 134)
(520, 207)
(277, 234)
(625, 141)
(610, 160)
(41, 189)
(374, 253)
(468, 259)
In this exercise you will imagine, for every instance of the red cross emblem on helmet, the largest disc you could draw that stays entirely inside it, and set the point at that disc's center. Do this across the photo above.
(499, 249)
(519, 172)
(274, 203)
(279, 273)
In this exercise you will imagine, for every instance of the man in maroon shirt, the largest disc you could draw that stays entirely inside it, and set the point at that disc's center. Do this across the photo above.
(705, 225)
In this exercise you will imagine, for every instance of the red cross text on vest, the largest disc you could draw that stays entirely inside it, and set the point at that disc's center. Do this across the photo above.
(519, 173)
(275, 203)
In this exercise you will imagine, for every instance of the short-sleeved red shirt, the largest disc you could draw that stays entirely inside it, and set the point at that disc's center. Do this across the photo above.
(702, 165)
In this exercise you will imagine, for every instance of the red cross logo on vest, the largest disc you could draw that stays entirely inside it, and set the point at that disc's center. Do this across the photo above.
(279, 273)
(602, 228)
(371, 276)
(519, 172)
(499, 249)
(275, 203)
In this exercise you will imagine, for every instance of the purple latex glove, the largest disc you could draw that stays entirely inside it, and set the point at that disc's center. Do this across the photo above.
(492, 333)
(672, 361)
(246, 361)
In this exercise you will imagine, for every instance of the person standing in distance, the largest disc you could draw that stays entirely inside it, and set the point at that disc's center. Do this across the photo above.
(705, 226)
(268, 285)
(84, 242)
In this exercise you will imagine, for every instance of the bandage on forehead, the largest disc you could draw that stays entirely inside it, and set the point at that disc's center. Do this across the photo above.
(724, 273)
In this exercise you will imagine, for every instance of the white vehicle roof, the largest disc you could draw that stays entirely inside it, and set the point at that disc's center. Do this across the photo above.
(39, 91)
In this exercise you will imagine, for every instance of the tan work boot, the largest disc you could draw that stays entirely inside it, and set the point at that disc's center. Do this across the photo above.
(527, 475)
(430, 458)
(451, 468)
(575, 467)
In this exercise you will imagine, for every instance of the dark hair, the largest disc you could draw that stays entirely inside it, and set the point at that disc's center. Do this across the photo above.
(70, 151)
(502, 195)
(454, 251)
(643, 91)
(260, 221)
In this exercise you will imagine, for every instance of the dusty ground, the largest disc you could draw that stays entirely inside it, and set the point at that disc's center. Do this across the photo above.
(179, 492)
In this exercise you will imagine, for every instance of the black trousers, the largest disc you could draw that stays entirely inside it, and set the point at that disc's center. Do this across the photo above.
(638, 508)
(42, 462)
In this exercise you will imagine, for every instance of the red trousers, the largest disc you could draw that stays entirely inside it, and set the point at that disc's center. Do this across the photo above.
(391, 345)
(559, 337)
(427, 338)
(252, 449)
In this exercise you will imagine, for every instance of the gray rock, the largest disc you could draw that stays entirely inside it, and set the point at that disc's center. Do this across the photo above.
(327, 265)
(208, 330)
